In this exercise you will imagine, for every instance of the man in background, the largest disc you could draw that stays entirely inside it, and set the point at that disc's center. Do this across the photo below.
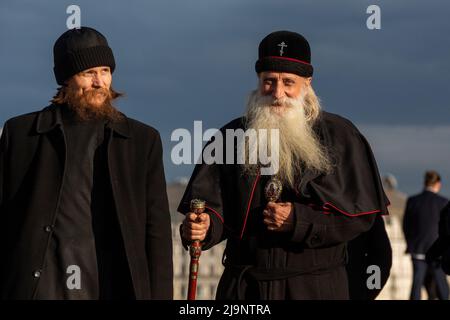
(420, 226)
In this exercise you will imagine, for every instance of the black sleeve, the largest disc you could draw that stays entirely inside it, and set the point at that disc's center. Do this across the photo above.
(444, 222)
(318, 229)
(3, 151)
(158, 228)
(205, 184)
(379, 253)
(216, 232)
(443, 241)
(371, 248)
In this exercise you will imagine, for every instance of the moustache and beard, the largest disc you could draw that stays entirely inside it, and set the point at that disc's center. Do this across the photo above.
(84, 105)
(299, 147)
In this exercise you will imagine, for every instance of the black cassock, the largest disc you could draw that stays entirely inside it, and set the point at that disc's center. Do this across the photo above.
(329, 211)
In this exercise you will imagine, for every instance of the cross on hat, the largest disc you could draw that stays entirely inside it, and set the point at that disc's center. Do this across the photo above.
(282, 45)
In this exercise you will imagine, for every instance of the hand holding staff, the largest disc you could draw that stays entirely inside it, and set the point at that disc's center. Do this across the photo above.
(195, 250)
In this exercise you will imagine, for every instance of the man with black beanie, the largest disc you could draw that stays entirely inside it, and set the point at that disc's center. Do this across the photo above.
(82, 192)
(292, 245)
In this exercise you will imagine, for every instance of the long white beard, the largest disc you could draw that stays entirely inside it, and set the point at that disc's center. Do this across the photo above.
(299, 149)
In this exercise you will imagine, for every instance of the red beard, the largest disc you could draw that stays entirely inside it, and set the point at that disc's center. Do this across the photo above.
(84, 107)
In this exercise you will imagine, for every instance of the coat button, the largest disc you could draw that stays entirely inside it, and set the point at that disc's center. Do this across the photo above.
(37, 274)
(48, 228)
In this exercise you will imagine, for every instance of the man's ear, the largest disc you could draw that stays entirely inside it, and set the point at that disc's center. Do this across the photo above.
(308, 81)
(69, 81)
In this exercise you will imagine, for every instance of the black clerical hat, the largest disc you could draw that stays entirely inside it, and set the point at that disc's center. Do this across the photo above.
(285, 51)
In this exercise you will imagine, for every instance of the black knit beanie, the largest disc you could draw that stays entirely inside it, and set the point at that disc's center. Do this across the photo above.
(80, 49)
(285, 51)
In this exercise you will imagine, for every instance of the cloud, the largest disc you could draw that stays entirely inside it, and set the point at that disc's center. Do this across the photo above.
(195, 51)
(409, 150)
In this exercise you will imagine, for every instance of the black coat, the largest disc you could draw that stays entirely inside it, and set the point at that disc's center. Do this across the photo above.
(421, 220)
(308, 263)
(32, 158)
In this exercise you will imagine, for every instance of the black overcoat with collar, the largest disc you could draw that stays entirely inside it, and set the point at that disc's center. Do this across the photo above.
(32, 158)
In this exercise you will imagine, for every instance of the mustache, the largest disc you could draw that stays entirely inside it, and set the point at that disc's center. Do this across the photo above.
(82, 104)
(97, 91)
(268, 101)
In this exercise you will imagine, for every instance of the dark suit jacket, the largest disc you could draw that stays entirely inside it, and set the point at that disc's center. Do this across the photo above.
(421, 219)
(32, 158)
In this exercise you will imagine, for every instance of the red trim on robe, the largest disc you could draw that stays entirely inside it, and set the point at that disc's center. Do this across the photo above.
(216, 213)
(249, 203)
(327, 210)
(222, 220)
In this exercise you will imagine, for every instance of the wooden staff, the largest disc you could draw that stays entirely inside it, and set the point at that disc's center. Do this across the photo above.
(195, 250)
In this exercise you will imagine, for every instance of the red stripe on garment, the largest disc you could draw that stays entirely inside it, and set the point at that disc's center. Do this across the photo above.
(327, 210)
(221, 219)
(249, 203)
(216, 213)
(347, 213)
(288, 59)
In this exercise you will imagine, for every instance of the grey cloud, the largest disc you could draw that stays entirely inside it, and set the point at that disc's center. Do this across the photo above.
(408, 151)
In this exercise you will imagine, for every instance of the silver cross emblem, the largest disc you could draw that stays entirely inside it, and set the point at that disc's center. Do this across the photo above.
(282, 45)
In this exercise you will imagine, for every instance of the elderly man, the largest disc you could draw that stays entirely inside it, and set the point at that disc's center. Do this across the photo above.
(293, 248)
(82, 195)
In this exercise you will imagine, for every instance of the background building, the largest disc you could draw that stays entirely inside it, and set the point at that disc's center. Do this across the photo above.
(398, 285)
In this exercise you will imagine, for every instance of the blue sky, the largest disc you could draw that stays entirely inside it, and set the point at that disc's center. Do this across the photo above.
(180, 61)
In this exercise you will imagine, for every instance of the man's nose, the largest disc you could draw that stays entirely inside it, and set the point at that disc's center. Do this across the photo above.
(96, 82)
(277, 92)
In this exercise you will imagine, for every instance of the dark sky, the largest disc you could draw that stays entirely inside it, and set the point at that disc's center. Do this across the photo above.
(180, 61)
